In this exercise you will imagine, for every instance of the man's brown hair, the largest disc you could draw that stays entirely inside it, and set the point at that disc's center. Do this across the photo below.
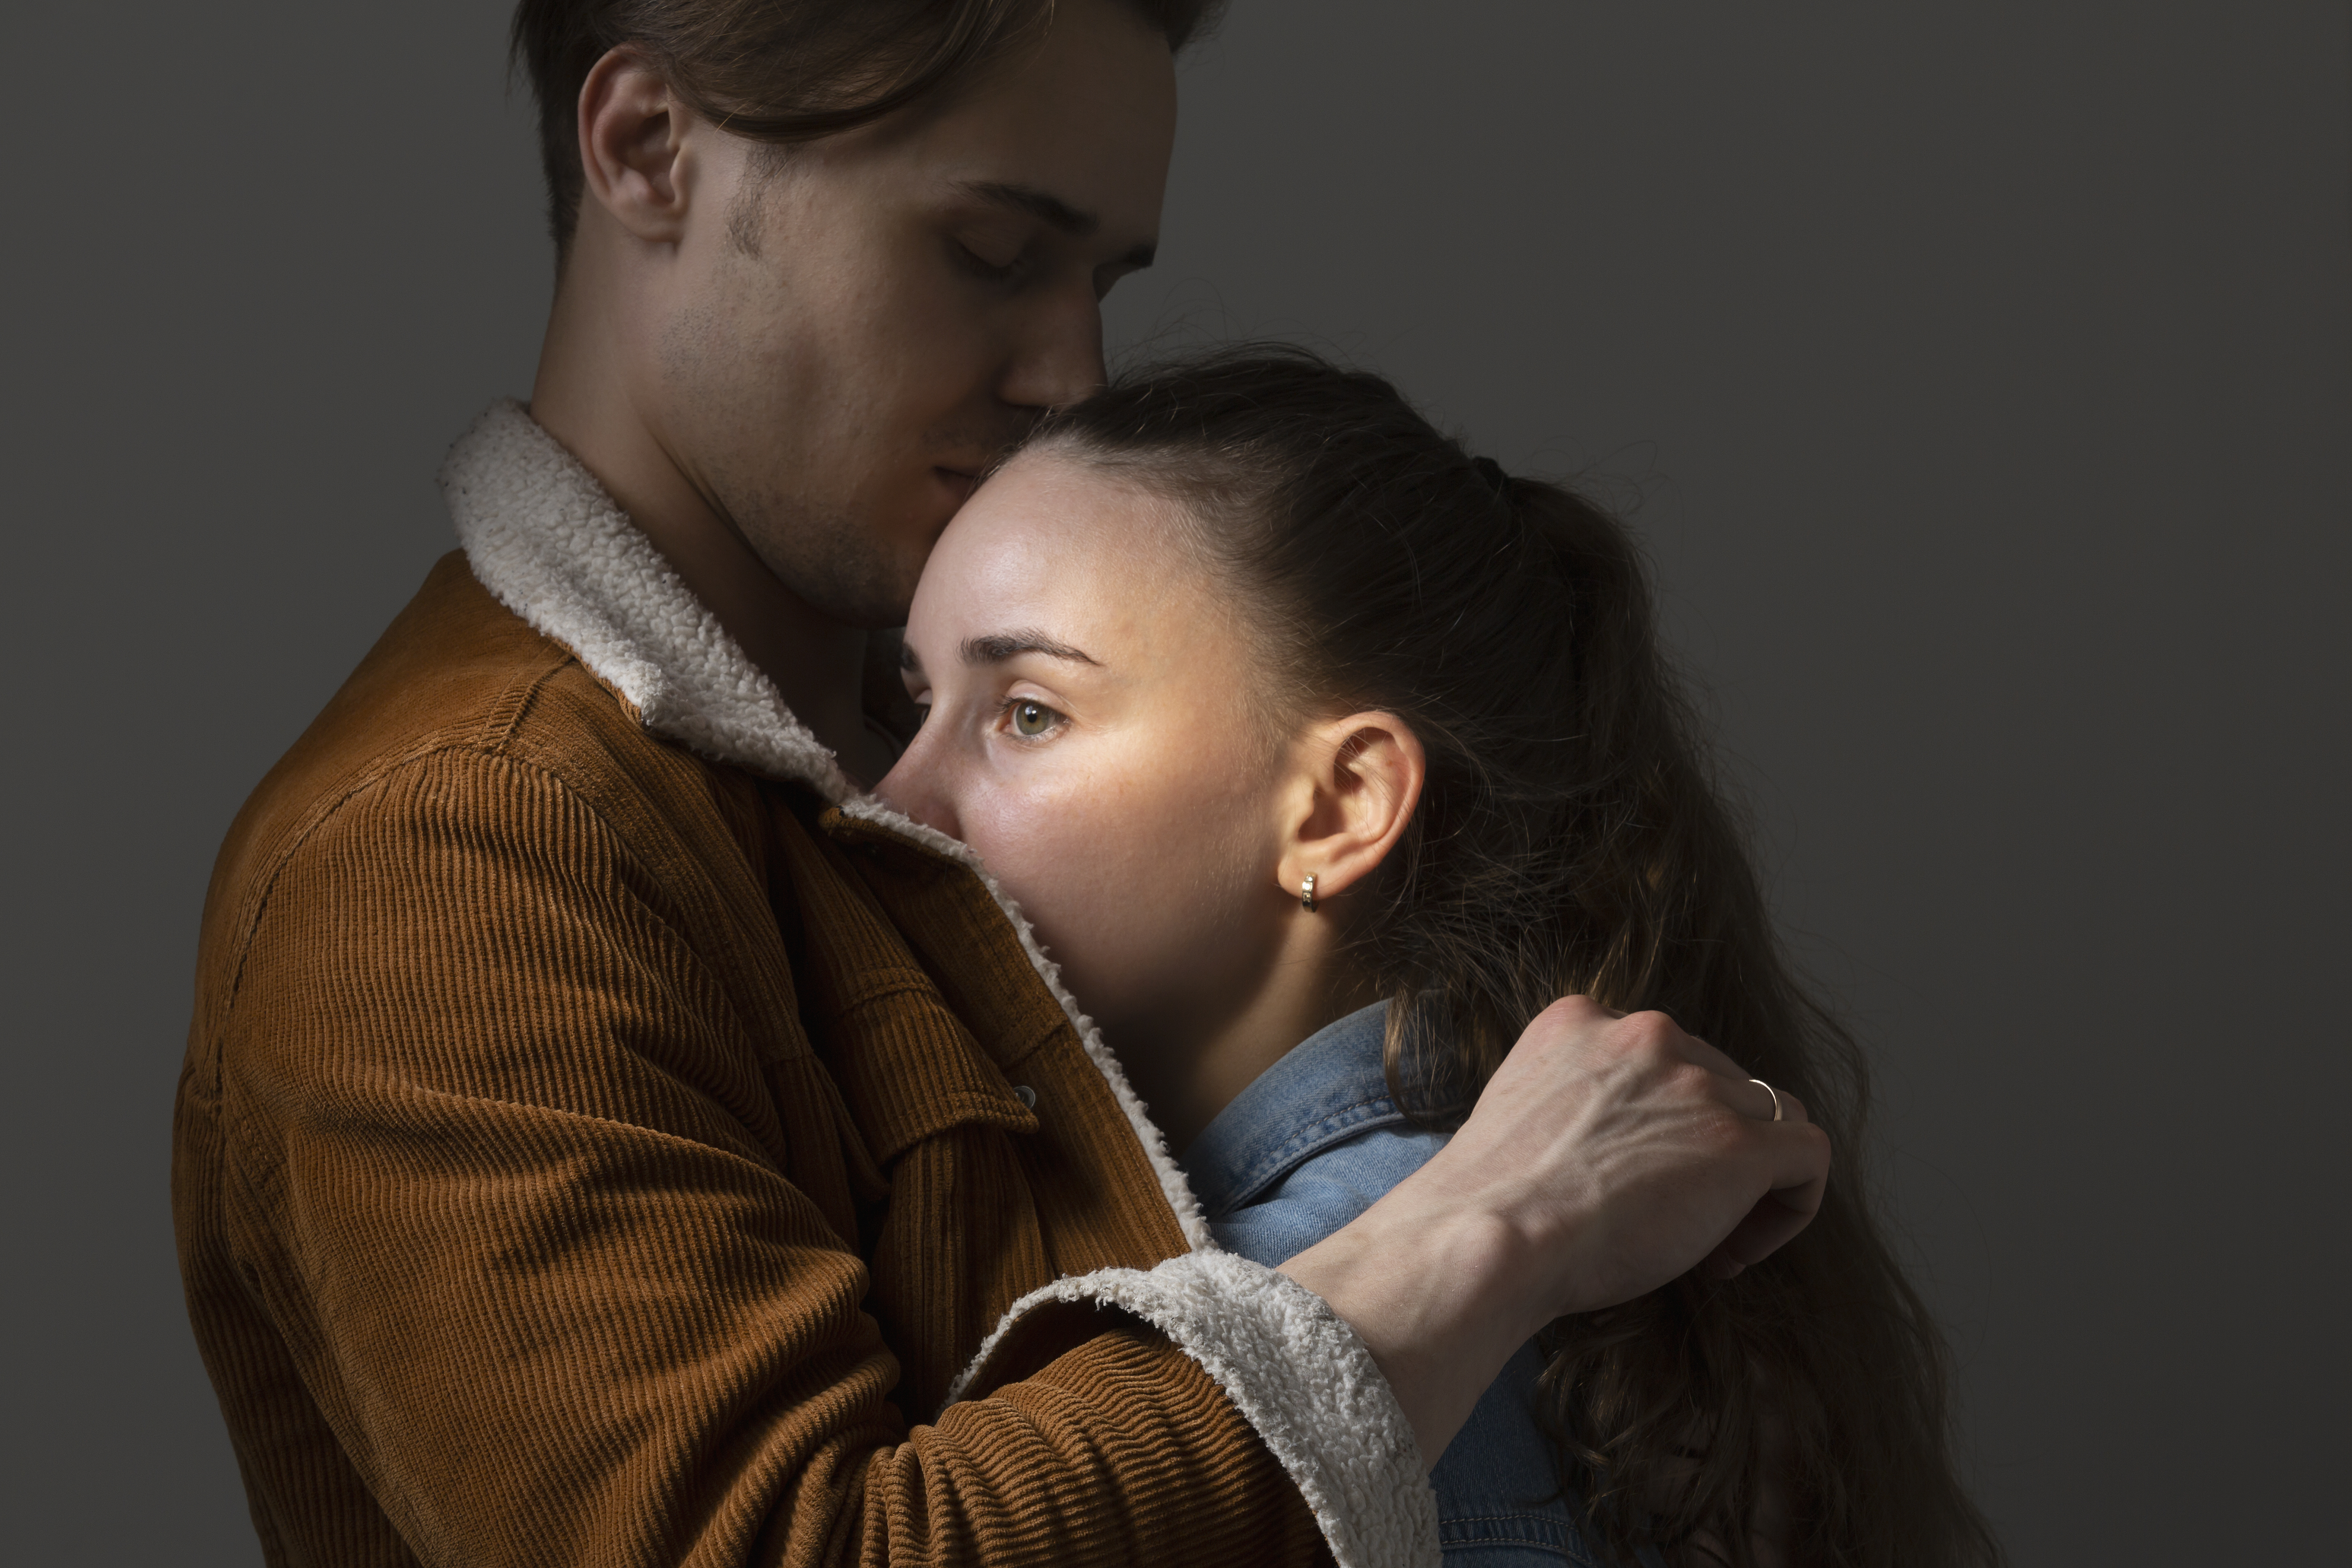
(777, 70)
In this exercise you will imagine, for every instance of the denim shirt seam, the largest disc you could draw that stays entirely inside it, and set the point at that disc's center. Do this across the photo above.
(1365, 1115)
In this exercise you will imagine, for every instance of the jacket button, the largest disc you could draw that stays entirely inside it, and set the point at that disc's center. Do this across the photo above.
(1025, 1095)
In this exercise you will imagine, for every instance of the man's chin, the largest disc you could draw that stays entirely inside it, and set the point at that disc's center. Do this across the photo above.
(871, 613)
(878, 600)
(858, 569)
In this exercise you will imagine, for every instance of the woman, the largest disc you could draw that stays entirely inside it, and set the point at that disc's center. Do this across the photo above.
(1323, 757)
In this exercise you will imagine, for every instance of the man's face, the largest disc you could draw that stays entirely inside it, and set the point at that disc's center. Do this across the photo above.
(854, 329)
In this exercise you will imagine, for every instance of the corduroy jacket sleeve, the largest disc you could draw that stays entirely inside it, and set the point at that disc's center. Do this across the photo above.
(506, 1244)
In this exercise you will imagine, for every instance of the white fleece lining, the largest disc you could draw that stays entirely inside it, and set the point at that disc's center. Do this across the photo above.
(1299, 1376)
(549, 545)
(545, 539)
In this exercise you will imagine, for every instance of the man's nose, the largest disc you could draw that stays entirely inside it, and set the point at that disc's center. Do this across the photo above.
(1060, 360)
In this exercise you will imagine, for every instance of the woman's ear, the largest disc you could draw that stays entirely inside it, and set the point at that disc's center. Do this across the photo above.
(633, 151)
(1358, 781)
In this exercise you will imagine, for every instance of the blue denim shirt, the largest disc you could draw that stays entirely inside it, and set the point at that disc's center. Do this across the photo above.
(1310, 1144)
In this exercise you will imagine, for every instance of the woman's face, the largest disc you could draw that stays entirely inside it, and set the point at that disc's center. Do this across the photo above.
(1090, 734)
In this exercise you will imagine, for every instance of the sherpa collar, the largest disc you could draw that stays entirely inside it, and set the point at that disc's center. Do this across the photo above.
(549, 545)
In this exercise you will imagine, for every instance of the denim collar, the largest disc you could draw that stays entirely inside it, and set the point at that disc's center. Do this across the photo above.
(1326, 1090)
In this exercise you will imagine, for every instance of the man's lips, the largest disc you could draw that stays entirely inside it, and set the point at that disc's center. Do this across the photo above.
(957, 480)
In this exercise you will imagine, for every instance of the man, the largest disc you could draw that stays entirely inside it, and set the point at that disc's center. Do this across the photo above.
(607, 1137)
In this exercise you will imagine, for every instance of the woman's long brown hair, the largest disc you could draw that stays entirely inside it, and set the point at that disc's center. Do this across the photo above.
(1572, 837)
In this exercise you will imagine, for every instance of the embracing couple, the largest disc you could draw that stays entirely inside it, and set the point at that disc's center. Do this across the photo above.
(1247, 1038)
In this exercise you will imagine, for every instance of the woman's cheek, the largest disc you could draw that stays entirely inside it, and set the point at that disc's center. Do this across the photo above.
(1091, 868)
(1045, 853)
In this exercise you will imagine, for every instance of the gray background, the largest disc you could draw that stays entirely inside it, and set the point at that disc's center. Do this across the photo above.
(1981, 370)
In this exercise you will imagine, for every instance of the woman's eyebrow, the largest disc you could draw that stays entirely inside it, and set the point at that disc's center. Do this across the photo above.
(998, 647)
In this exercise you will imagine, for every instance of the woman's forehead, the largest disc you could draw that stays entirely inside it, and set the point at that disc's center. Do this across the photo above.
(1046, 520)
(1053, 545)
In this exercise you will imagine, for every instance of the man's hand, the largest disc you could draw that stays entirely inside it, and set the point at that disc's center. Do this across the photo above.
(1609, 1154)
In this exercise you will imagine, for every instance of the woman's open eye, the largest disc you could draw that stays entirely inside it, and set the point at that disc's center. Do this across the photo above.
(1031, 720)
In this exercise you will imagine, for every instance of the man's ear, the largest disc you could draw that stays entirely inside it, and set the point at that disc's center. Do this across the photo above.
(633, 151)
(1360, 779)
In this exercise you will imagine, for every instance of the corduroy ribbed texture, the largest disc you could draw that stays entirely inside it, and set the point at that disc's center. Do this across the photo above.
(578, 1162)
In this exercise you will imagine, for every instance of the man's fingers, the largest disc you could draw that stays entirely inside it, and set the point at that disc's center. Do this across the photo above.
(1699, 1051)
(1799, 1158)
(1790, 1107)
(1754, 1098)
(1800, 1174)
(1798, 1155)
(1767, 1227)
(1742, 1090)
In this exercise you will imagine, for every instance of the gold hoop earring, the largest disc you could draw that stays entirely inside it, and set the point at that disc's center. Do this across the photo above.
(1306, 895)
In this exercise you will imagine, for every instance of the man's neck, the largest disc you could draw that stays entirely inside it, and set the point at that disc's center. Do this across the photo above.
(815, 662)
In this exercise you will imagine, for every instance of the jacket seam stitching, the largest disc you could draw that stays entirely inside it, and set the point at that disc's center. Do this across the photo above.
(261, 900)
(257, 901)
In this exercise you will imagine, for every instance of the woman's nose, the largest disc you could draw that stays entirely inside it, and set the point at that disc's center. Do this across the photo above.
(917, 784)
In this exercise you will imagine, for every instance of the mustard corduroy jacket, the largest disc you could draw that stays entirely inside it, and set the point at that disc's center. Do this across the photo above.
(607, 1139)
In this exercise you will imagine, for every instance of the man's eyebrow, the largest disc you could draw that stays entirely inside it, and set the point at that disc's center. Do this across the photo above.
(1050, 210)
(998, 647)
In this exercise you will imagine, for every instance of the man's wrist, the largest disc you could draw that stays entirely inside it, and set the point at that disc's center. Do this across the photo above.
(1435, 1295)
